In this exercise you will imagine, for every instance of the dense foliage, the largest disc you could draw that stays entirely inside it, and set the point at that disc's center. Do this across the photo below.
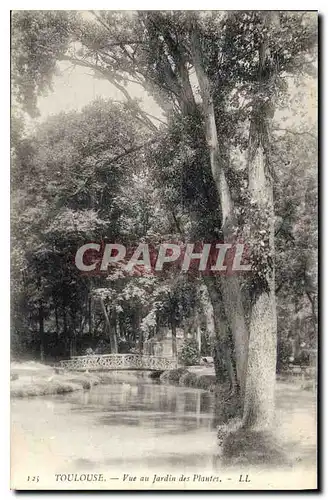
(189, 353)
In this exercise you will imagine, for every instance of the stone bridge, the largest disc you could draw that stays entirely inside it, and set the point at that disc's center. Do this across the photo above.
(128, 361)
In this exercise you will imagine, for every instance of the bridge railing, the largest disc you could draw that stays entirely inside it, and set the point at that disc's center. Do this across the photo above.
(129, 361)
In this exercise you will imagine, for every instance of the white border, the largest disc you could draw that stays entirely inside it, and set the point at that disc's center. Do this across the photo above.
(4, 184)
(166, 5)
(4, 254)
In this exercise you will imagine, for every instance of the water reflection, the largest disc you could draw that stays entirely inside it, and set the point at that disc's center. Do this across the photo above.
(137, 424)
(145, 425)
(173, 409)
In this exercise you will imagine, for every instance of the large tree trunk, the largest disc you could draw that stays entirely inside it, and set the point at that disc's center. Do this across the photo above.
(311, 285)
(41, 320)
(230, 286)
(218, 330)
(138, 333)
(74, 333)
(113, 324)
(66, 333)
(210, 128)
(110, 331)
(261, 370)
(174, 337)
(234, 312)
(41, 331)
(56, 319)
(64, 322)
(199, 337)
(90, 315)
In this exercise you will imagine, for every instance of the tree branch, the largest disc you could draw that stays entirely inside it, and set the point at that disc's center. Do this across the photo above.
(312, 301)
(110, 76)
(114, 44)
(130, 151)
(278, 288)
(294, 132)
(290, 211)
(113, 160)
(155, 118)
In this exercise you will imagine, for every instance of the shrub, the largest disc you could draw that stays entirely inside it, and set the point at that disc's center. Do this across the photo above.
(172, 375)
(87, 381)
(252, 447)
(42, 388)
(155, 375)
(189, 353)
(188, 380)
(206, 382)
(59, 384)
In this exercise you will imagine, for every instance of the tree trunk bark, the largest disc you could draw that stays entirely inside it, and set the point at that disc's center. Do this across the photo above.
(111, 333)
(57, 319)
(41, 331)
(138, 333)
(118, 327)
(64, 322)
(234, 312)
(113, 324)
(230, 286)
(210, 128)
(174, 336)
(199, 338)
(74, 332)
(219, 333)
(141, 341)
(261, 369)
(90, 316)
(64, 313)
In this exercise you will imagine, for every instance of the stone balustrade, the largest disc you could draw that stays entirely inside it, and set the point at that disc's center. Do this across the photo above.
(128, 361)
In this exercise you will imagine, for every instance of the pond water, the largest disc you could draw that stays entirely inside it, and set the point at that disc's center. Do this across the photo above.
(132, 423)
(135, 425)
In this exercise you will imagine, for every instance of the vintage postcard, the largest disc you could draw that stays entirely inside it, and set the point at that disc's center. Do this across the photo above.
(164, 237)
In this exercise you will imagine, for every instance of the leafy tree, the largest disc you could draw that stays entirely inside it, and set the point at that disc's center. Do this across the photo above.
(189, 353)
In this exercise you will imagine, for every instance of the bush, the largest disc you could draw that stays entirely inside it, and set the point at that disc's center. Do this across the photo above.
(42, 388)
(56, 384)
(206, 382)
(172, 375)
(188, 380)
(243, 447)
(87, 381)
(155, 375)
(189, 354)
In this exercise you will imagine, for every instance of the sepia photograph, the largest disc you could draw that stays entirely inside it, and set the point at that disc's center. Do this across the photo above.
(164, 250)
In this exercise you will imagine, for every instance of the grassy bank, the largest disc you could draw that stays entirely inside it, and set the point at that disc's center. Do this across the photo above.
(34, 379)
(203, 378)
